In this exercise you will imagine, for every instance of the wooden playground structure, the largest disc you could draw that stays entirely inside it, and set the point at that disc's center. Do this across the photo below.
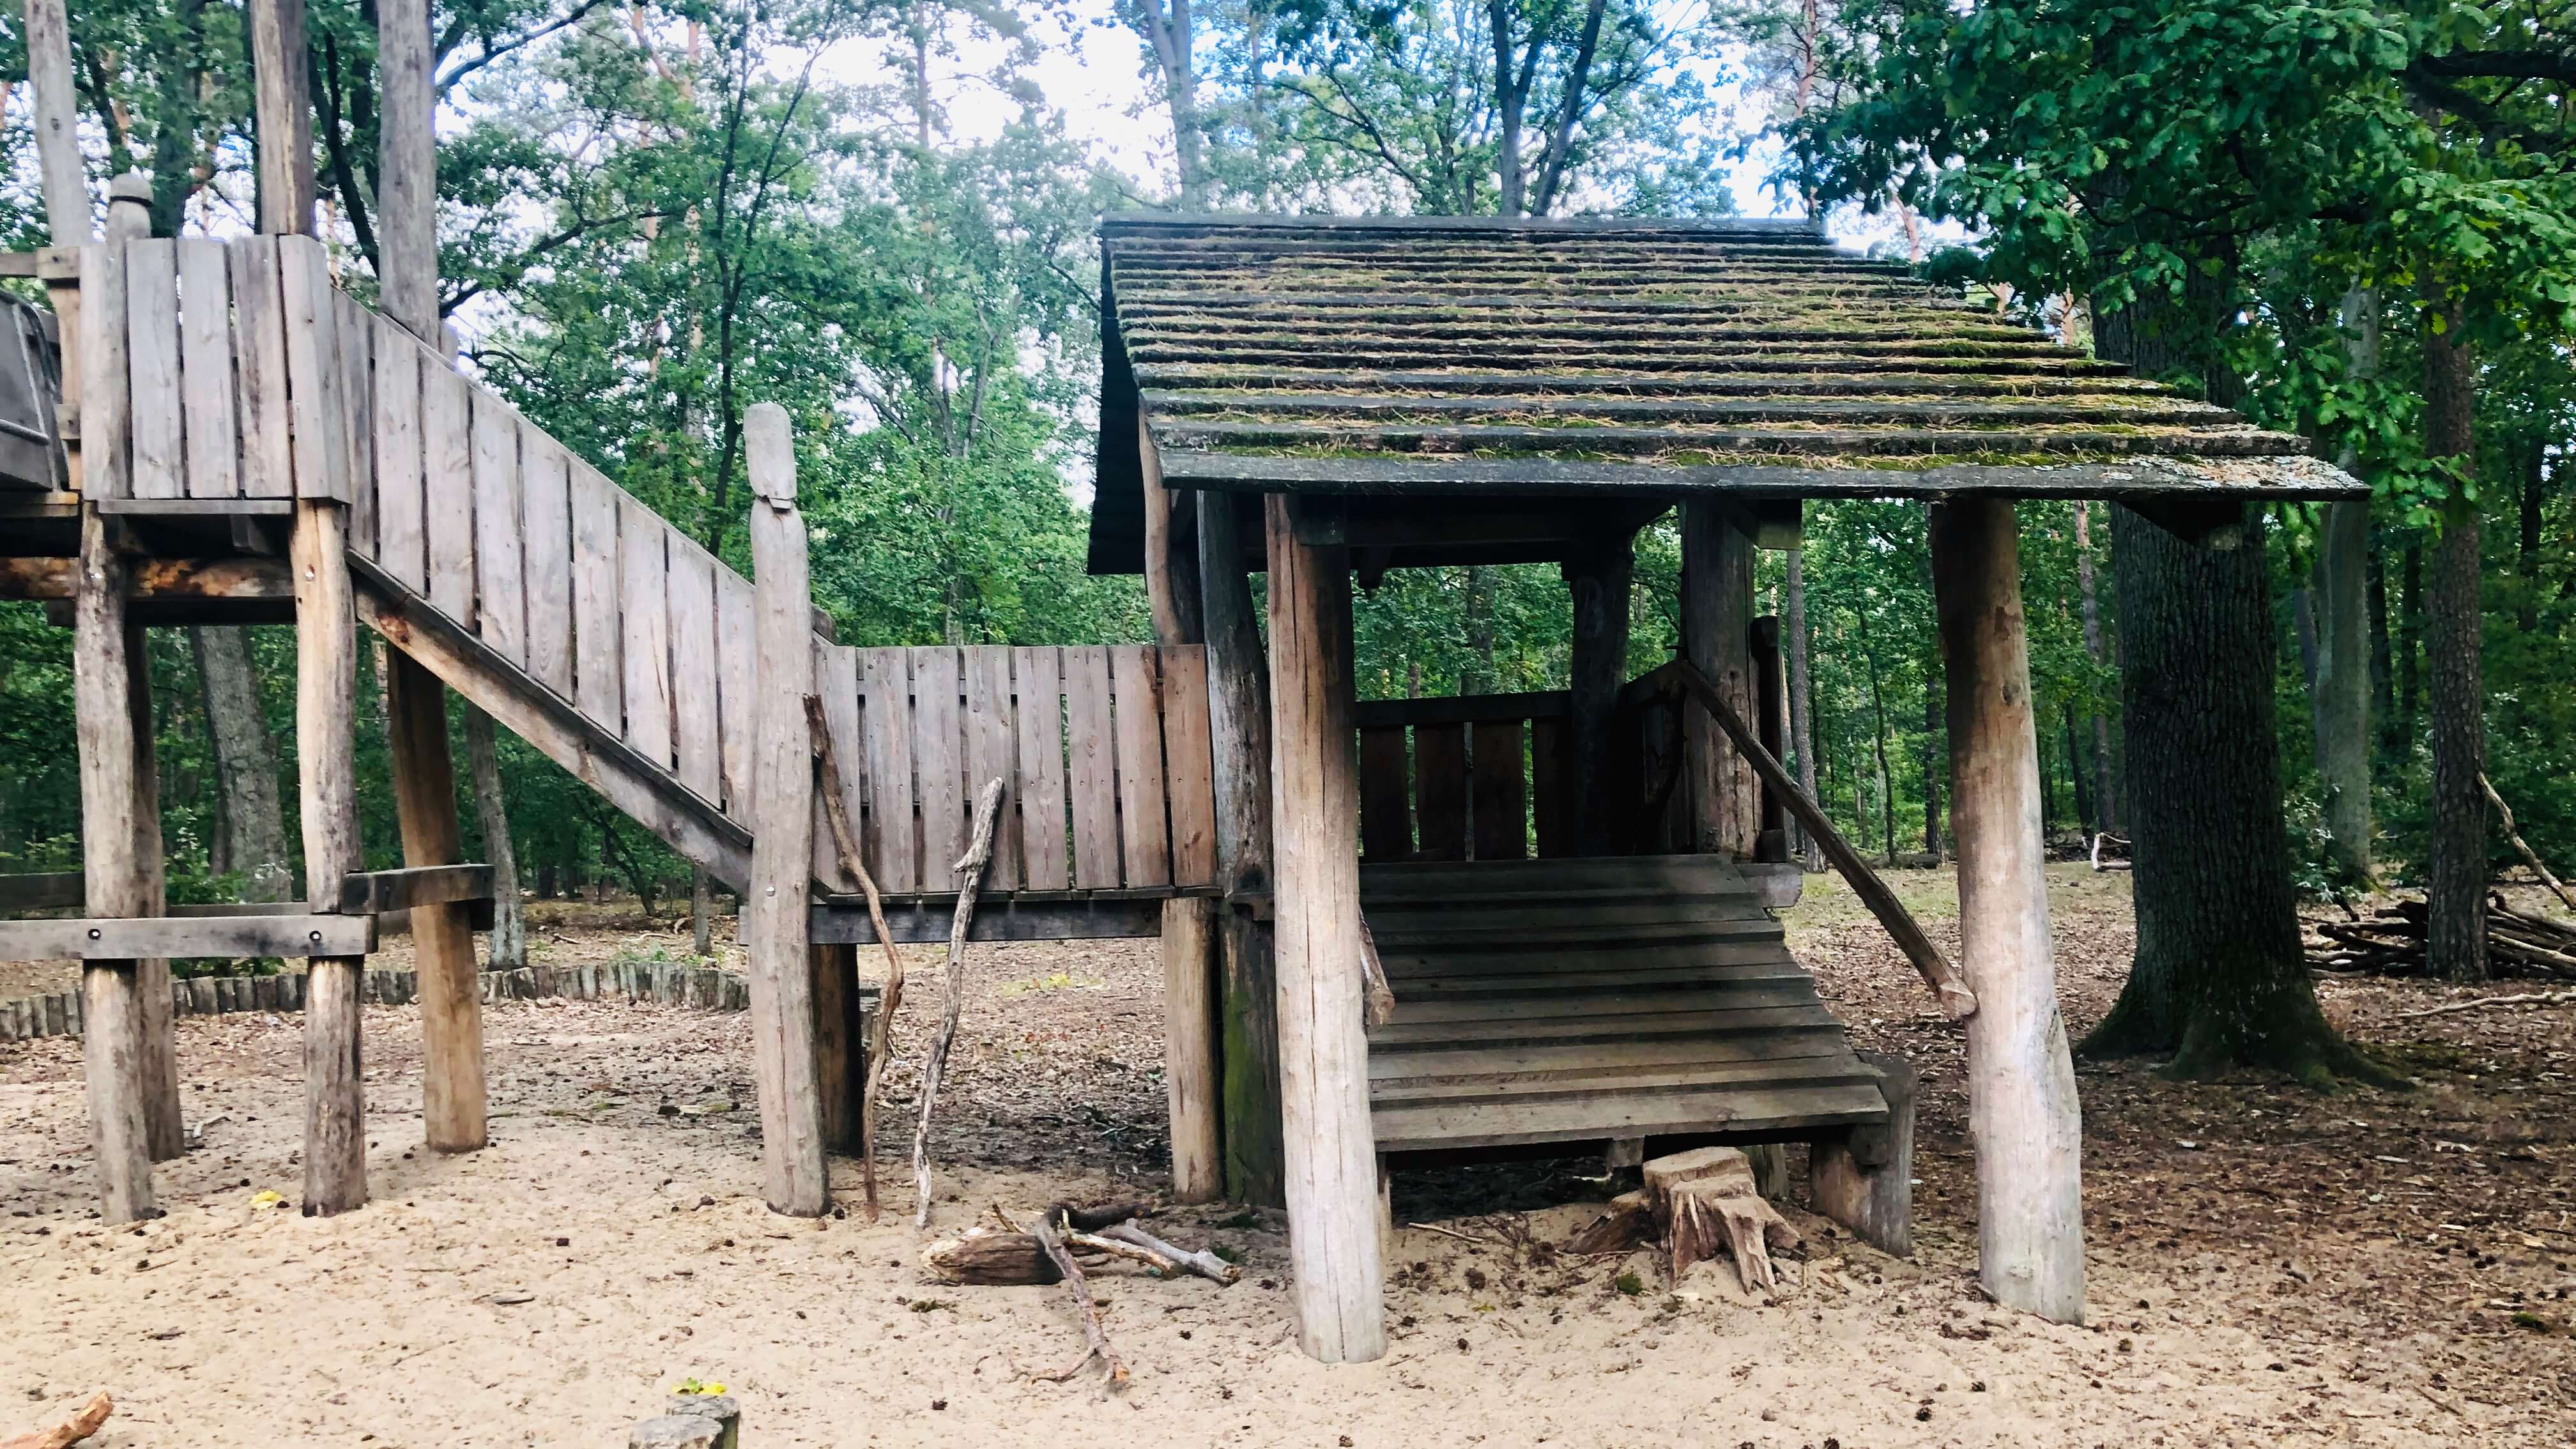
(1566, 945)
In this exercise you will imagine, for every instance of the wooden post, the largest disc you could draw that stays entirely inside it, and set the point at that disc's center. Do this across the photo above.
(1717, 619)
(57, 126)
(1333, 1249)
(451, 1013)
(1864, 1180)
(284, 106)
(1189, 1047)
(407, 165)
(776, 925)
(1599, 580)
(326, 699)
(1239, 734)
(115, 880)
(840, 1050)
(2023, 1117)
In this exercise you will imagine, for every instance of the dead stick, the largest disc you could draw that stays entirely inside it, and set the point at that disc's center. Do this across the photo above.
(1377, 999)
(1957, 1000)
(1205, 1265)
(1093, 1334)
(79, 1426)
(970, 878)
(2514, 834)
(2543, 998)
(845, 843)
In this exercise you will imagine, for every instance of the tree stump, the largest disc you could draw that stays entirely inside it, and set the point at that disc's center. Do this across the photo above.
(676, 1431)
(1706, 1202)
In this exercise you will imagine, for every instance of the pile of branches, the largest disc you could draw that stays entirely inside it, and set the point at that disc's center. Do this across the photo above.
(2391, 943)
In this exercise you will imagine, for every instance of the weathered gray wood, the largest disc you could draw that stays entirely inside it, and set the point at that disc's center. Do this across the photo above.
(969, 871)
(377, 891)
(737, 704)
(1189, 769)
(599, 678)
(840, 1044)
(1728, 1112)
(500, 567)
(407, 167)
(56, 120)
(2022, 1108)
(1864, 1180)
(1091, 780)
(545, 508)
(642, 548)
(784, 1049)
(206, 369)
(401, 523)
(447, 433)
(939, 758)
(992, 752)
(315, 407)
(106, 416)
(676, 1431)
(116, 938)
(1046, 859)
(836, 687)
(114, 772)
(1144, 823)
(1334, 1250)
(41, 891)
(1190, 1034)
(355, 340)
(590, 751)
(696, 739)
(284, 110)
(1724, 798)
(892, 831)
(259, 362)
(335, 1136)
(152, 340)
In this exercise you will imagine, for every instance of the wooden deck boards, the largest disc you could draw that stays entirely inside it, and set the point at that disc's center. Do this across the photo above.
(1582, 1000)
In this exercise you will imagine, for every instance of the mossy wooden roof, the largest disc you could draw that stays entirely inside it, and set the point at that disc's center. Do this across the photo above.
(1592, 361)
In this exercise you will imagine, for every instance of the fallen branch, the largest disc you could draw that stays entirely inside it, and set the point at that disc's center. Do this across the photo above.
(845, 842)
(1095, 1337)
(84, 1422)
(2538, 998)
(970, 879)
(2530, 857)
(1126, 1240)
(1377, 996)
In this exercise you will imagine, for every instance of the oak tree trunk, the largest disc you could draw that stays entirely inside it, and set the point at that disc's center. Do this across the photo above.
(245, 762)
(2455, 876)
(509, 949)
(1802, 724)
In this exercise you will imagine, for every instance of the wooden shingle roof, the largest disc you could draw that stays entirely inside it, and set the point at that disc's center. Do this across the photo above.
(1565, 360)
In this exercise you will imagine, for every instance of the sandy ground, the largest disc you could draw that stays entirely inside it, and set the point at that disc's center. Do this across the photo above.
(2268, 1265)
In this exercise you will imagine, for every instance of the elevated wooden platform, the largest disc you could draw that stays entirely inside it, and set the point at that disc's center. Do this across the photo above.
(1598, 1000)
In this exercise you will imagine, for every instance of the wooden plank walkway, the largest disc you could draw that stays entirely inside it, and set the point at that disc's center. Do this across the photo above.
(1580, 1001)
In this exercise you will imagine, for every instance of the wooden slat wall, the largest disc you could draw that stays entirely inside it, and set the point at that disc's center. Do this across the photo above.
(500, 571)
(259, 352)
(599, 655)
(1103, 754)
(206, 370)
(1386, 795)
(1500, 791)
(402, 544)
(736, 712)
(693, 668)
(1485, 777)
(152, 337)
(643, 596)
(545, 508)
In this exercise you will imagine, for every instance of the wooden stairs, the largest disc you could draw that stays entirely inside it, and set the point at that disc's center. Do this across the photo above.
(1592, 1000)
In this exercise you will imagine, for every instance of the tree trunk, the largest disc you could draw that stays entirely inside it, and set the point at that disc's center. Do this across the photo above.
(1802, 725)
(245, 762)
(1480, 676)
(2105, 811)
(1932, 715)
(1239, 733)
(2085, 818)
(2383, 680)
(2455, 876)
(509, 949)
(2218, 979)
(2410, 639)
(2534, 500)
(2342, 687)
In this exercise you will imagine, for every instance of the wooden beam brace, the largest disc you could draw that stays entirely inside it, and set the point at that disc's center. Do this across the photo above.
(1001, 918)
(376, 891)
(156, 580)
(49, 891)
(282, 931)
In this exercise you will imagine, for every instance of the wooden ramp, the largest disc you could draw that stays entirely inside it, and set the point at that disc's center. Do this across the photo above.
(1587, 1000)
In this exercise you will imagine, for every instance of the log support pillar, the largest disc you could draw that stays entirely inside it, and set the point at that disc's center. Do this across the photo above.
(1717, 622)
(1334, 1249)
(326, 700)
(1598, 578)
(453, 1100)
(1864, 1180)
(120, 869)
(1247, 991)
(786, 1053)
(840, 1044)
(2024, 1122)
(1190, 1047)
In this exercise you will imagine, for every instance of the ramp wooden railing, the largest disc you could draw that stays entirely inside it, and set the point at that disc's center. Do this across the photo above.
(218, 373)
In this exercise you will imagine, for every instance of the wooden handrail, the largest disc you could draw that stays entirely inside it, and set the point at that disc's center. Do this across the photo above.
(1956, 999)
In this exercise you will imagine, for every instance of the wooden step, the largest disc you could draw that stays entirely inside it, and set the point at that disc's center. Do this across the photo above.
(1409, 965)
(1542, 938)
(1607, 918)
(1463, 986)
(1784, 1113)
(1617, 1001)
(1607, 1027)
(1469, 1060)
(1827, 1069)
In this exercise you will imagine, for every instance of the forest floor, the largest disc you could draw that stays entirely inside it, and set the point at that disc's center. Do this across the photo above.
(2267, 1264)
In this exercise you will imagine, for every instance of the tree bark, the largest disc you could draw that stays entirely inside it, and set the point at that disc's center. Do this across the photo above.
(2088, 590)
(1480, 676)
(2455, 877)
(2342, 713)
(1802, 724)
(245, 763)
(1239, 733)
(1932, 716)
(2410, 641)
(2218, 978)
(509, 949)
